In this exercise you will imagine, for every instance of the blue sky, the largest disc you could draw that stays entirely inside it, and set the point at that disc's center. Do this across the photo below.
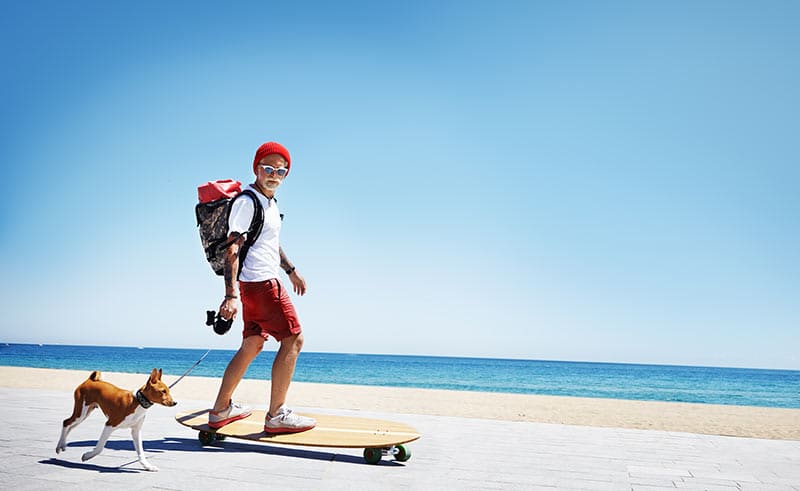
(601, 181)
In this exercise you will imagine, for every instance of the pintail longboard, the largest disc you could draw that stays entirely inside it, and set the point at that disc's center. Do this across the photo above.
(377, 437)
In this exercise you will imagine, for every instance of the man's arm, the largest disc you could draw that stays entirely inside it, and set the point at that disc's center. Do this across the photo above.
(298, 282)
(286, 265)
(228, 308)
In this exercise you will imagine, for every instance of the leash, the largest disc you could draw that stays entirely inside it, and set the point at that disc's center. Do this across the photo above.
(190, 369)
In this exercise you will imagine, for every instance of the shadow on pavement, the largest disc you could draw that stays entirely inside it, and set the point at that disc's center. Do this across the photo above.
(230, 445)
(89, 467)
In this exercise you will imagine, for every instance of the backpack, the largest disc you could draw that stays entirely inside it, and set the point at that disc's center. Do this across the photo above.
(212, 212)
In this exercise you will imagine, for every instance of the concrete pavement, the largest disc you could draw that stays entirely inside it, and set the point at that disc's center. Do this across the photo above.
(456, 453)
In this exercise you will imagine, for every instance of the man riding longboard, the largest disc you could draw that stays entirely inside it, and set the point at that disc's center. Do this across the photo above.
(266, 306)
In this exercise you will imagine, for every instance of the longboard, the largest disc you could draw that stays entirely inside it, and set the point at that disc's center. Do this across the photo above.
(376, 436)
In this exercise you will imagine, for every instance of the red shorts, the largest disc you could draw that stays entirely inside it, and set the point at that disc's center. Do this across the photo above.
(267, 310)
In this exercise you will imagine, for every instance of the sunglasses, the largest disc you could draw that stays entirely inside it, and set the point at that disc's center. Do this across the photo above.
(269, 170)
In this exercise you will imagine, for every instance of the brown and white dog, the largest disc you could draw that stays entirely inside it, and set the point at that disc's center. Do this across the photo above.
(123, 408)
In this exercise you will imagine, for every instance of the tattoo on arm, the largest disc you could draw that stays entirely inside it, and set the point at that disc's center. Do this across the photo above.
(285, 264)
(231, 269)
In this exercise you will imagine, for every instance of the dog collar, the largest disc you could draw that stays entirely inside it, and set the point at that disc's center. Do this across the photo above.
(142, 400)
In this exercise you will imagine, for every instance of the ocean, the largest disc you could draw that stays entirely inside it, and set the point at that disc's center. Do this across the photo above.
(708, 385)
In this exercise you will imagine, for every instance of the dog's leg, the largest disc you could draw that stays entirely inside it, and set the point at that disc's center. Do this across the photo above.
(79, 413)
(107, 430)
(136, 434)
(62, 441)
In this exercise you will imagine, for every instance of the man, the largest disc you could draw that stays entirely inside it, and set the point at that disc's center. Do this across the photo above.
(266, 307)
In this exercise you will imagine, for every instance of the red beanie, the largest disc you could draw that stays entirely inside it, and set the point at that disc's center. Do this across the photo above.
(268, 148)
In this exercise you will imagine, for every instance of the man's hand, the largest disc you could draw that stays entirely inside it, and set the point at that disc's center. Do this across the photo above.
(228, 309)
(298, 283)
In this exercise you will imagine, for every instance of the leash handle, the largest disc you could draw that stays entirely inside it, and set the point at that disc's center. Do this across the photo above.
(190, 369)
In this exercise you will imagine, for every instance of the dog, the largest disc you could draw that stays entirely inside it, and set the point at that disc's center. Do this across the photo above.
(123, 408)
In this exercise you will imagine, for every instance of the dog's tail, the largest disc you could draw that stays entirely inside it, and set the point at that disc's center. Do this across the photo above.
(95, 376)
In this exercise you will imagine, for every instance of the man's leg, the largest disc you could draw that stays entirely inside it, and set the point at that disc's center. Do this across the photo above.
(251, 347)
(283, 370)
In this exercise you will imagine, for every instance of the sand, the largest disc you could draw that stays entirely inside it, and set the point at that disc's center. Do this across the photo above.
(740, 421)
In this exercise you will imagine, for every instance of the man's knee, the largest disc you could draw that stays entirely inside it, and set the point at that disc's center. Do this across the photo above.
(293, 342)
(252, 345)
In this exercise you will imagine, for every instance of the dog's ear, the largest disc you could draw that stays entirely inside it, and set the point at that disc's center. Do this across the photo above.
(154, 376)
(159, 374)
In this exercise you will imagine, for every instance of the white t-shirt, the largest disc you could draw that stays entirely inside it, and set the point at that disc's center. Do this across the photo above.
(263, 259)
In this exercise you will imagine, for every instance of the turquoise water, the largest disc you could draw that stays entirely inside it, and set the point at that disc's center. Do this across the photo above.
(733, 386)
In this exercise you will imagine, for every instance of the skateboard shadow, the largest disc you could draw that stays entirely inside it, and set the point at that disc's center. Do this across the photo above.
(90, 467)
(168, 444)
(326, 455)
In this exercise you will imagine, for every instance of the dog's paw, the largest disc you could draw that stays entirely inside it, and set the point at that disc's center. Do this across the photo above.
(149, 467)
(60, 449)
(87, 456)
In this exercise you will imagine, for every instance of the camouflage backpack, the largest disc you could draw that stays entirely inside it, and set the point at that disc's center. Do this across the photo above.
(212, 212)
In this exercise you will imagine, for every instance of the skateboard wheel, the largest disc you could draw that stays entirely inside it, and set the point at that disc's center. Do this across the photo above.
(403, 454)
(219, 438)
(372, 455)
(205, 437)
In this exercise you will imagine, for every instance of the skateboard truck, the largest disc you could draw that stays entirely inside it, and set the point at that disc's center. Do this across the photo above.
(400, 452)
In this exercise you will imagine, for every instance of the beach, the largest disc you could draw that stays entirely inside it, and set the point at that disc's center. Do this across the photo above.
(709, 419)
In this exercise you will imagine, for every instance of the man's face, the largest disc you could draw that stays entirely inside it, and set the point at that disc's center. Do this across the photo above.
(269, 178)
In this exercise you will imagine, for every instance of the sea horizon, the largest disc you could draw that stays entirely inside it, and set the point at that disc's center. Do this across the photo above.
(273, 348)
(630, 381)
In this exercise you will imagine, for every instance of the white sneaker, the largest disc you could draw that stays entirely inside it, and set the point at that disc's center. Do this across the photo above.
(286, 421)
(234, 412)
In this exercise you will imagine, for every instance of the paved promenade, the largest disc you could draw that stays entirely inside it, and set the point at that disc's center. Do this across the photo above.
(453, 453)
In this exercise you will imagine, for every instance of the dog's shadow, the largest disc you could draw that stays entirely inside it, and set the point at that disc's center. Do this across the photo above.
(154, 446)
(90, 467)
(150, 446)
(169, 444)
